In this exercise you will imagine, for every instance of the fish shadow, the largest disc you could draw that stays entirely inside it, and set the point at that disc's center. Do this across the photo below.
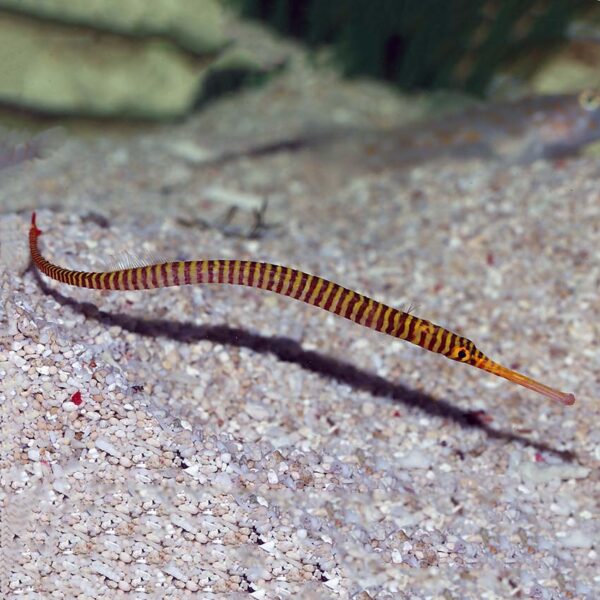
(289, 350)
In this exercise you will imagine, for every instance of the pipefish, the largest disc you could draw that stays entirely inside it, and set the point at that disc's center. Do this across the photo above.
(298, 285)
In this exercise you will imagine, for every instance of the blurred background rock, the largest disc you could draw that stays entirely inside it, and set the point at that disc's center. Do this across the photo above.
(150, 59)
(161, 59)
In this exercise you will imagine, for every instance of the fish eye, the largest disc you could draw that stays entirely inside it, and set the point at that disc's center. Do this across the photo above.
(460, 353)
(589, 100)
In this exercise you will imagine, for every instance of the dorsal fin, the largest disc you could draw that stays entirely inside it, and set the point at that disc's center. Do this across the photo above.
(131, 260)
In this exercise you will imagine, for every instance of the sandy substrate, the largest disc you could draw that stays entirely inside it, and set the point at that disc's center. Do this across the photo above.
(230, 441)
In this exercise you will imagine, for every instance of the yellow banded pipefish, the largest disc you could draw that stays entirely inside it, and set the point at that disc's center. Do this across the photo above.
(298, 285)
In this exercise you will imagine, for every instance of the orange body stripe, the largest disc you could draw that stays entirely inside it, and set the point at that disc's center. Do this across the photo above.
(347, 298)
(287, 281)
(255, 274)
(330, 287)
(336, 298)
(266, 276)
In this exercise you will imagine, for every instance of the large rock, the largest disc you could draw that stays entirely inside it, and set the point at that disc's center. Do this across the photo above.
(60, 69)
(63, 70)
(194, 24)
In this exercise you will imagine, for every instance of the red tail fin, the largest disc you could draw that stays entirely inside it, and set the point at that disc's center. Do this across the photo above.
(34, 226)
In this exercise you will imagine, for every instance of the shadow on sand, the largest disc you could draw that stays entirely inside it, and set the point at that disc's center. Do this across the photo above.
(289, 350)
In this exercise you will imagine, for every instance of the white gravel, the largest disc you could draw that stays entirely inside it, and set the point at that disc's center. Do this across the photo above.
(232, 442)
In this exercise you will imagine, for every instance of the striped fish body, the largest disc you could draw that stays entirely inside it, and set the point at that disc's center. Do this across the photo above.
(296, 284)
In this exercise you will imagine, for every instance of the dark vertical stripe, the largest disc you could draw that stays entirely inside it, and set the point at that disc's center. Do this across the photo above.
(174, 272)
(281, 281)
(297, 289)
(323, 287)
(269, 276)
(370, 321)
(311, 289)
(453, 340)
(390, 326)
(163, 274)
(440, 337)
(411, 328)
(261, 274)
(435, 336)
(187, 278)
(379, 324)
(361, 311)
(200, 271)
(401, 324)
(237, 272)
(443, 340)
(350, 305)
(290, 284)
(273, 278)
(420, 338)
(251, 273)
(369, 312)
(269, 273)
(329, 302)
(432, 340)
(224, 269)
(322, 291)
